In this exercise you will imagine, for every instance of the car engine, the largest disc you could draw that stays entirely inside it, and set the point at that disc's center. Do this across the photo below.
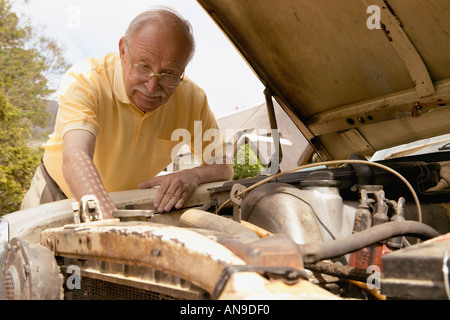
(364, 229)
(340, 229)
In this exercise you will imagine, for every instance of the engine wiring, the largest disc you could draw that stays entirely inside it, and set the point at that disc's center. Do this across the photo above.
(327, 163)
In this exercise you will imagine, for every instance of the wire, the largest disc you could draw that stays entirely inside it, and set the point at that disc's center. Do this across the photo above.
(375, 292)
(332, 162)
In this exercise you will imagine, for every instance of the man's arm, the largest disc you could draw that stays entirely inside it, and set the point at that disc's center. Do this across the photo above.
(80, 172)
(176, 187)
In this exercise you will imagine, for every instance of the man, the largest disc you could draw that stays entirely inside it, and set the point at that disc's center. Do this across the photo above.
(116, 118)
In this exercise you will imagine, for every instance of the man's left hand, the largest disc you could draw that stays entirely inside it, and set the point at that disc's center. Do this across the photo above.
(174, 189)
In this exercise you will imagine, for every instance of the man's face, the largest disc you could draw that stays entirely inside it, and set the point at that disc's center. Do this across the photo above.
(154, 50)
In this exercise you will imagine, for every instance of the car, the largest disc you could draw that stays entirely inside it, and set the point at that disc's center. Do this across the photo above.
(355, 77)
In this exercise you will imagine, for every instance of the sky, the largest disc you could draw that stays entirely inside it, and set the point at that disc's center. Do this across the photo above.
(92, 28)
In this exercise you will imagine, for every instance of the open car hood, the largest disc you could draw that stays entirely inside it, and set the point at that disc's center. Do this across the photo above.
(347, 85)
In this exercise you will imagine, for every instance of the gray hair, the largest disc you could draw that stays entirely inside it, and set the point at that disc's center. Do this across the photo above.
(167, 17)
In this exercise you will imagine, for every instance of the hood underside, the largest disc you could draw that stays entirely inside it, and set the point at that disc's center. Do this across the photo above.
(354, 75)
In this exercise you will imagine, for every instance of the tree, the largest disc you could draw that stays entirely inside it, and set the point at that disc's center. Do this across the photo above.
(27, 60)
(17, 160)
(246, 163)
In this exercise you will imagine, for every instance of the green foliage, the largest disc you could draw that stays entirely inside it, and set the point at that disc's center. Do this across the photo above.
(27, 61)
(246, 163)
(17, 160)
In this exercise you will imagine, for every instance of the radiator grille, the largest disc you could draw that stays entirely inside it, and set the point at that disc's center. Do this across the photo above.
(10, 289)
(95, 289)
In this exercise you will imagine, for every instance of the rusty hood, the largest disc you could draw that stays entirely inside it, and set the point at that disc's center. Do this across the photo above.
(354, 75)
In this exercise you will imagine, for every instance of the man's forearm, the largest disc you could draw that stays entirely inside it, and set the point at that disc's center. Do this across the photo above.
(214, 172)
(83, 179)
(80, 172)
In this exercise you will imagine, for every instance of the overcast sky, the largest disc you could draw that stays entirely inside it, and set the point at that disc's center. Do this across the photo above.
(92, 28)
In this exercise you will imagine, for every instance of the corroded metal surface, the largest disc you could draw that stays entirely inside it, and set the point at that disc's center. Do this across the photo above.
(175, 250)
(29, 273)
(185, 253)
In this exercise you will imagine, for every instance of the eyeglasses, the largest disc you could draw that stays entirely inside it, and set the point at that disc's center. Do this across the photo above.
(144, 73)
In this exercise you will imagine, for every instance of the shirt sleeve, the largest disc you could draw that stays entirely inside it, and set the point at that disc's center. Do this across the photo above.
(78, 100)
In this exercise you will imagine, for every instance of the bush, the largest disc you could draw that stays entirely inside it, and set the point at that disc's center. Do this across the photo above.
(246, 163)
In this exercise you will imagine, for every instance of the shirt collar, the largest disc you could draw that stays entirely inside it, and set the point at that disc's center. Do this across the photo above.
(119, 84)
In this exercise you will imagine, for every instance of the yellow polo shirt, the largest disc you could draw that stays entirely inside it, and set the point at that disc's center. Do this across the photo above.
(131, 146)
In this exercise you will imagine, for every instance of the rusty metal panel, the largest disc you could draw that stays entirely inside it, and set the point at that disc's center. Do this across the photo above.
(197, 257)
(174, 250)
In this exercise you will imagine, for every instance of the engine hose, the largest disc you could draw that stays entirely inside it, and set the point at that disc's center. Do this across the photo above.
(206, 220)
(364, 173)
(338, 270)
(363, 239)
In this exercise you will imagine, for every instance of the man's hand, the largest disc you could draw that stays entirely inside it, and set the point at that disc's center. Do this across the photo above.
(174, 189)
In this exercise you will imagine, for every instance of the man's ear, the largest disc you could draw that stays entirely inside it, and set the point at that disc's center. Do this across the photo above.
(122, 48)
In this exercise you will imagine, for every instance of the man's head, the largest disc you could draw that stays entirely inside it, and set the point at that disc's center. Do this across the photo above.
(154, 52)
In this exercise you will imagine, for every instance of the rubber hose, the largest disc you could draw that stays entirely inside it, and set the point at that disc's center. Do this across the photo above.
(364, 173)
(206, 220)
(338, 270)
(363, 239)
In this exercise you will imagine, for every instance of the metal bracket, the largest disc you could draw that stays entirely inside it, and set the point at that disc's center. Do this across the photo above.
(405, 49)
(290, 275)
(133, 215)
(422, 107)
(87, 210)
(237, 200)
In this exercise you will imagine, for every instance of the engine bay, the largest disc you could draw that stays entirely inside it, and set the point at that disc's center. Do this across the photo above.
(347, 229)
(348, 210)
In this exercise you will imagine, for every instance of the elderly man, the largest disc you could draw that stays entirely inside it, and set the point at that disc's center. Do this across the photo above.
(116, 118)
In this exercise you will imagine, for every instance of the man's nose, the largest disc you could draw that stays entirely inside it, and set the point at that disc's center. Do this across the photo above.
(152, 84)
